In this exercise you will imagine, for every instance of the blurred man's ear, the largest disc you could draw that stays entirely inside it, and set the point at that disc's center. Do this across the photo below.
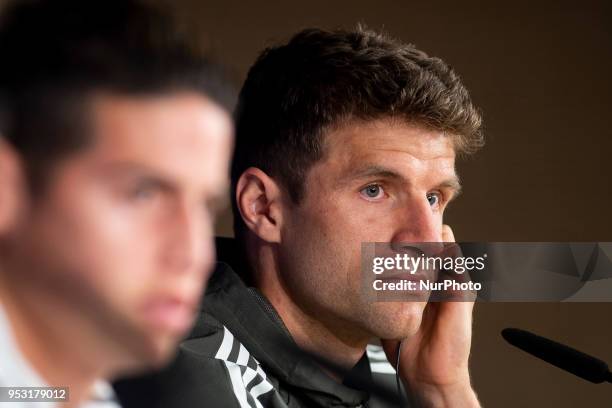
(11, 186)
(259, 200)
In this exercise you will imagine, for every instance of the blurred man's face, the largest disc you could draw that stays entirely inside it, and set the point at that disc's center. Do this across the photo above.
(123, 232)
(381, 181)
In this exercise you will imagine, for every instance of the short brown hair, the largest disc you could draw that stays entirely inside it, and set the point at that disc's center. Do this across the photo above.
(296, 91)
(56, 54)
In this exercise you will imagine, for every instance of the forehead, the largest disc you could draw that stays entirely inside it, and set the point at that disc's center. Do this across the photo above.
(389, 142)
(125, 123)
(182, 134)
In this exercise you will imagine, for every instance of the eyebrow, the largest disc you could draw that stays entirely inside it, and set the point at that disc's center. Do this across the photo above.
(126, 167)
(218, 197)
(368, 171)
(372, 171)
(453, 184)
(134, 169)
(139, 171)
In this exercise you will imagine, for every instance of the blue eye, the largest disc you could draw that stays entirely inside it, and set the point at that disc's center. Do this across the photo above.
(434, 199)
(145, 191)
(372, 191)
(143, 194)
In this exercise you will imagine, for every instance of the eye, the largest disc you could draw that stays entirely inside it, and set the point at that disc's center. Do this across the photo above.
(145, 191)
(373, 191)
(434, 199)
(142, 194)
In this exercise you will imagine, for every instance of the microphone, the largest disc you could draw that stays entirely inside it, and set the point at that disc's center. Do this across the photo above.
(566, 358)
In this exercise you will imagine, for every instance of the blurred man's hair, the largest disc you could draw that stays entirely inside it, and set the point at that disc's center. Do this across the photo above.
(322, 79)
(57, 53)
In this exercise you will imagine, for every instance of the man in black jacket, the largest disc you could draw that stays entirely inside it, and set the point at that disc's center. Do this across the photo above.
(240, 354)
(343, 137)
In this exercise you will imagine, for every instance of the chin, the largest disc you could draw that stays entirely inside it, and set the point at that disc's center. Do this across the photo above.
(153, 352)
(395, 320)
(163, 352)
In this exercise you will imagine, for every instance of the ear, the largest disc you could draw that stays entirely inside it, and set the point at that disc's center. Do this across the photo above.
(11, 186)
(259, 200)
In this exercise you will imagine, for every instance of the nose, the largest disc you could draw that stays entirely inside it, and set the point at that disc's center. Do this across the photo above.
(189, 244)
(418, 222)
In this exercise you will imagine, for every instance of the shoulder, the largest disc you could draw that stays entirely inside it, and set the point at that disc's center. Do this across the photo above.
(215, 368)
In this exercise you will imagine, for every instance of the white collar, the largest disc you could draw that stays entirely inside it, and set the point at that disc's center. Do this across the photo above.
(16, 371)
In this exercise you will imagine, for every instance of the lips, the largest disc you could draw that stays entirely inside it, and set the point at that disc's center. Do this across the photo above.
(170, 313)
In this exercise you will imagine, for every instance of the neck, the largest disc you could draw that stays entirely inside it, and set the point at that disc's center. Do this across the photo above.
(329, 338)
(48, 336)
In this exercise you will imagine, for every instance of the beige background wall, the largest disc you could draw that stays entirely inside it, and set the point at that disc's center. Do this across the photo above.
(540, 71)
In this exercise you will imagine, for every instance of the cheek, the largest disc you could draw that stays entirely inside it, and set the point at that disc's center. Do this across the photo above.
(332, 230)
(103, 245)
(358, 220)
(119, 233)
(323, 252)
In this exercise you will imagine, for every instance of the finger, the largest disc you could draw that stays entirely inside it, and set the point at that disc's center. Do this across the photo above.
(391, 348)
(453, 249)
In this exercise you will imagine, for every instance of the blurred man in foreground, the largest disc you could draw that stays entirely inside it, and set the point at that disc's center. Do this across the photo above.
(343, 137)
(114, 154)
